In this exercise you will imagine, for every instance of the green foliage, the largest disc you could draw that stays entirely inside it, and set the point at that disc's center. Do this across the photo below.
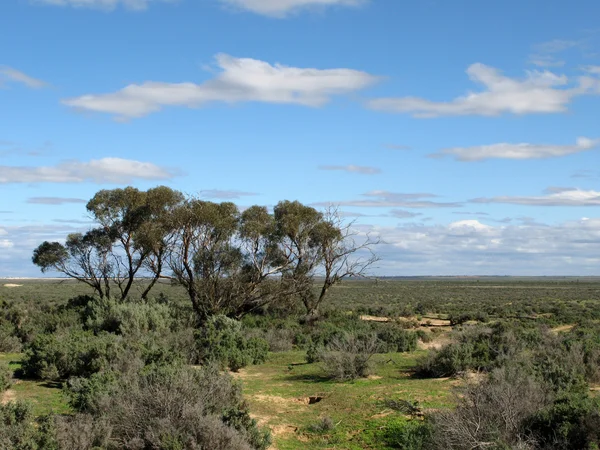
(71, 353)
(19, 431)
(221, 340)
(571, 421)
(408, 434)
(349, 357)
(127, 318)
(6, 374)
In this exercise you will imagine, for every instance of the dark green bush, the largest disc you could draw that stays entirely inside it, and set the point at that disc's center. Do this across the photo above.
(6, 374)
(19, 430)
(221, 340)
(408, 434)
(395, 339)
(70, 353)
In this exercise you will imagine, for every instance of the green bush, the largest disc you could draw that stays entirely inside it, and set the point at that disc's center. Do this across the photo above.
(408, 434)
(68, 354)
(127, 318)
(572, 421)
(6, 374)
(396, 339)
(19, 430)
(222, 341)
(349, 357)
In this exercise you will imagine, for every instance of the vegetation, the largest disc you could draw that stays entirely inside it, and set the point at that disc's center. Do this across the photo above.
(227, 343)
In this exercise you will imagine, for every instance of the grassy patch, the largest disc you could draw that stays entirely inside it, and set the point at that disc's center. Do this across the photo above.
(46, 397)
(278, 394)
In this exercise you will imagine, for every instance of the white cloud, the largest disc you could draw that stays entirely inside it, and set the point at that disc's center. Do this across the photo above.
(222, 194)
(474, 248)
(9, 74)
(517, 151)
(106, 5)
(554, 197)
(240, 80)
(54, 200)
(363, 170)
(105, 170)
(538, 92)
(6, 243)
(282, 8)
(382, 199)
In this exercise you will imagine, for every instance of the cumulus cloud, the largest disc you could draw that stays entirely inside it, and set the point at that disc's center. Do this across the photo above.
(105, 170)
(9, 74)
(554, 196)
(282, 8)
(517, 151)
(363, 170)
(106, 5)
(222, 194)
(54, 200)
(470, 247)
(382, 199)
(538, 92)
(240, 80)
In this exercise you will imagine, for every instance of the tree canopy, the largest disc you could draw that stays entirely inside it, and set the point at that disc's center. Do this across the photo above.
(229, 261)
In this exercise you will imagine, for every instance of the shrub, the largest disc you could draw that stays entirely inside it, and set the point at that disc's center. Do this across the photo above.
(173, 408)
(396, 339)
(67, 354)
(18, 429)
(324, 425)
(9, 343)
(6, 374)
(490, 414)
(127, 318)
(408, 434)
(349, 357)
(572, 421)
(222, 341)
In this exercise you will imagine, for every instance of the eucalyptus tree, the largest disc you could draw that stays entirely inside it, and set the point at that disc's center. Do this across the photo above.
(83, 257)
(203, 257)
(121, 213)
(130, 240)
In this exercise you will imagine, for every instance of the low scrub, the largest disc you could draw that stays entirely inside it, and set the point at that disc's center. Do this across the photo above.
(349, 357)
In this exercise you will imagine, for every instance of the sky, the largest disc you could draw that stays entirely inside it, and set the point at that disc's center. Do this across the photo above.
(464, 134)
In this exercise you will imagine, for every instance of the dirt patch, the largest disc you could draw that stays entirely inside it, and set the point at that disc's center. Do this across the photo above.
(374, 377)
(375, 319)
(563, 329)
(11, 285)
(382, 414)
(426, 322)
(280, 430)
(8, 396)
(243, 374)
(311, 400)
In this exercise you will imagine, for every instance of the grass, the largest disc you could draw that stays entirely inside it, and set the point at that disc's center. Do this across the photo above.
(275, 392)
(45, 396)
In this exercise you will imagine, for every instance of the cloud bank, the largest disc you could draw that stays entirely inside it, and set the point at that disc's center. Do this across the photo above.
(538, 92)
(105, 170)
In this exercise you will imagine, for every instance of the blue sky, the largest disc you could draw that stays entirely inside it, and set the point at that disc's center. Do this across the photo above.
(465, 134)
